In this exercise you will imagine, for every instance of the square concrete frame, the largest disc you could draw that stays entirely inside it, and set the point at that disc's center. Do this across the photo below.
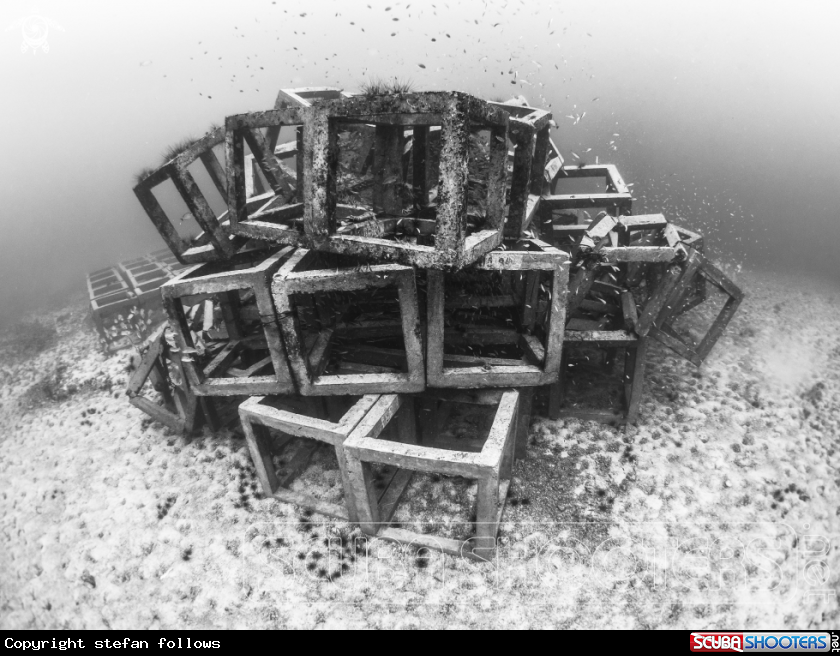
(456, 113)
(212, 380)
(698, 293)
(533, 256)
(255, 414)
(215, 242)
(270, 220)
(179, 410)
(617, 199)
(635, 352)
(529, 131)
(661, 328)
(295, 278)
(491, 467)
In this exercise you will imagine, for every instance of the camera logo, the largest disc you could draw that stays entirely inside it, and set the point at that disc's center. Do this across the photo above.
(35, 31)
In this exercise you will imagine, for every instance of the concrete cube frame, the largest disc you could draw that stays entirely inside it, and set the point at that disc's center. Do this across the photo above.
(261, 224)
(491, 467)
(456, 113)
(310, 382)
(215, 242)
(635, 352)
(529, 131)
(179, 410)
(211, 380)
(536, 256)
(661, 328)
(255, 414)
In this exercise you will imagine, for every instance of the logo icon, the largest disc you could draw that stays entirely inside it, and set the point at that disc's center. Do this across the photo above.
(792, 641)
(35, 31)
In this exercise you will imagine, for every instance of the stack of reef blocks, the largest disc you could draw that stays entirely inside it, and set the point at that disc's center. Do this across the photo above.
(633, 278)
(372, 282)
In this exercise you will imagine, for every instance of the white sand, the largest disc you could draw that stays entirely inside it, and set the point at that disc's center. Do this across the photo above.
(719, 510)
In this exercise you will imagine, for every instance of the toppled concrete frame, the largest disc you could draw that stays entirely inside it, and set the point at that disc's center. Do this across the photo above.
(160, 367)
(394, 228)
(670, 261)
(214, 243)
(696, 267)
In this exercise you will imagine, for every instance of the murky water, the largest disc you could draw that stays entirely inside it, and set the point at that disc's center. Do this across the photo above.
(721, 114)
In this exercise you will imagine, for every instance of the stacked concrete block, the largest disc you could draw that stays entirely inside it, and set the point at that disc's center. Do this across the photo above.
(385, 262)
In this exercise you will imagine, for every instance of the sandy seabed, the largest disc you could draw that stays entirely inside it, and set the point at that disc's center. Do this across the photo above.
(719, 510)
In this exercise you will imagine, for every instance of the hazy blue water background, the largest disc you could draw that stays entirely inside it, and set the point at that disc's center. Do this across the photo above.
(726, 112)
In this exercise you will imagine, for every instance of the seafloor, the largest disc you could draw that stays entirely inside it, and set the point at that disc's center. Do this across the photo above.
(719, 510)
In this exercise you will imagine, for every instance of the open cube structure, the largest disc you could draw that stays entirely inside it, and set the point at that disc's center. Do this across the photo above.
(513, 301)
(628, 389)
(603, 192)
(160, 368)
(696, 267)
(214, 243)
(227, 328)
(298, 420)
(490, 466)
(332, 303)
(280, 217)
(401, 222)
(529, 132)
